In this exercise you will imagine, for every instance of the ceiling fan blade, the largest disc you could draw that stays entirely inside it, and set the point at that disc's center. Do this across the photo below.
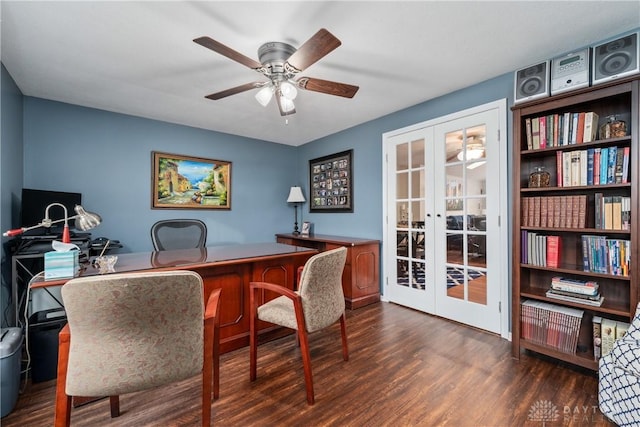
(319, 45)
(228, 52)
(234, 90)
(326, 86)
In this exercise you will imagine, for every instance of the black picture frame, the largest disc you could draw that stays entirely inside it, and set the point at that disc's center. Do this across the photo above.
(331, 183)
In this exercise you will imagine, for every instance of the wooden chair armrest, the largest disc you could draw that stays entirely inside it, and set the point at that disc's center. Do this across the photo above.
(213, 305)
(65, 332)
(280, 290)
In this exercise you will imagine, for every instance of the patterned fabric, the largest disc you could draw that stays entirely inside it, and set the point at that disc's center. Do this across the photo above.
(619, 378)
(320, 290)
(130, 332)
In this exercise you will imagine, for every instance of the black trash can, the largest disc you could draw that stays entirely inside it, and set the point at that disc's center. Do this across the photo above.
(44, 327)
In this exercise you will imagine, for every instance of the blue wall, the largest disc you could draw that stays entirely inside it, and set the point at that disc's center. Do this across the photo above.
(107, 157)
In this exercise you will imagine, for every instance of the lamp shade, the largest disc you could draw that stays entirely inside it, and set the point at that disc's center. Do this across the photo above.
(86, 220)
(264, 95)
(288, 90)
(295, 195)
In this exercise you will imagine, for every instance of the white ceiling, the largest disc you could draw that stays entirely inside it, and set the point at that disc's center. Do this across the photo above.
(138, 58)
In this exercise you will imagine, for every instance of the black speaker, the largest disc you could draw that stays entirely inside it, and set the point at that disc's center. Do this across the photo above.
(531, 83)
(616, 58)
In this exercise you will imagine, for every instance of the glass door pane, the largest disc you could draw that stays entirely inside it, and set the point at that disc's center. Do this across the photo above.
(465, 203)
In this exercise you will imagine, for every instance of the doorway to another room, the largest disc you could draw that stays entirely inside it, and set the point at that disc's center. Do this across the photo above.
(445, 228)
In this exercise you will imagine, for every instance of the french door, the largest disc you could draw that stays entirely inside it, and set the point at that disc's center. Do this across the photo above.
(443, 240)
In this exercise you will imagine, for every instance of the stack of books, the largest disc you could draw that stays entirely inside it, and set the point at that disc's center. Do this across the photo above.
(574, 290)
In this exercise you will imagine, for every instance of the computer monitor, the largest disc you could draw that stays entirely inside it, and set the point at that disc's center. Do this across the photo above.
(34, 203)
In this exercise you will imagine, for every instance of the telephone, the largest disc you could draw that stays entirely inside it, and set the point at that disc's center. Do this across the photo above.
(101, 241)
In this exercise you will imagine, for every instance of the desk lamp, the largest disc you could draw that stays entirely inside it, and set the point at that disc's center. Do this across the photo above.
(296, 197)
(84, 221)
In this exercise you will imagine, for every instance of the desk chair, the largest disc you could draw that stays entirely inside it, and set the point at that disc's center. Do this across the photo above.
(171, 234)
(317, 304)
(132, 332)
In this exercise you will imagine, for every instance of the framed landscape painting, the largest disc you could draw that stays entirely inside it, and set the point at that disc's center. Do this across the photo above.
(331, 183)
(186, 182)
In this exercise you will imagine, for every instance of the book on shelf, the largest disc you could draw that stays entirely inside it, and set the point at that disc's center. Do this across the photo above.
(592, 166)
(625, 165)
(619, 166)
(621, 329)
(604, 164)
(550, 325)
(612, 212)
(583, 287)
(595, 297)
(544, 211)
(611, 164)
(528, 131)
(608, 335)
(580, 128)
(616, 202)
(590, 126)
(559, 169)
(609, 331)
(556, 130)
(596, 166)
(576, 299)
(535, 133)
(553, 251)
(597, 337)
(606, 256)
(554, 211)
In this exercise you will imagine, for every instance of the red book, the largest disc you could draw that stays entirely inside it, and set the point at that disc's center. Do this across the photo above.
(559, 168)
(543, 131)
(580, 130)
(553, 251)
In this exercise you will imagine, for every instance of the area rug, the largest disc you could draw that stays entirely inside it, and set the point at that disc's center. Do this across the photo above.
(455, 277)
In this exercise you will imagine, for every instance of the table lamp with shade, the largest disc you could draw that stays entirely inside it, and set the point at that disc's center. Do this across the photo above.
(83, 221)
(296, 197)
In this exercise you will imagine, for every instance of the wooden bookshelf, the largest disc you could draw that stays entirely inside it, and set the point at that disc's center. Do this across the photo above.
(530, 282)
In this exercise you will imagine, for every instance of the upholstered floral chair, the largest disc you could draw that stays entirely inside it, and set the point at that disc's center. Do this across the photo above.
(132, 332)
(619, 378)
(317, 304)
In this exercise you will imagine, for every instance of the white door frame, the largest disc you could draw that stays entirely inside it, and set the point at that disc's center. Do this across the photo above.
(503, 221)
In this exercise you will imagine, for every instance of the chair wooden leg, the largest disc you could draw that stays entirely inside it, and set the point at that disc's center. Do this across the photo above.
(253, 335)
(343, 330)
(63, 402)
(216, 358)
(207, 371)
(114, 403)
(306, 363)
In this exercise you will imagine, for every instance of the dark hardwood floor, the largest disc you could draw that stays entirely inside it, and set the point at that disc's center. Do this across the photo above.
(406, 368)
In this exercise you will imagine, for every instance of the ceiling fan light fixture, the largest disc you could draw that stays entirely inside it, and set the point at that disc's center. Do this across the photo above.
(286, 104)
(264, 95)
(288, 90)
(472, 154)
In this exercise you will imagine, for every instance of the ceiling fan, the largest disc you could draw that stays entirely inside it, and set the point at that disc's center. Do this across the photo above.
(280, 63)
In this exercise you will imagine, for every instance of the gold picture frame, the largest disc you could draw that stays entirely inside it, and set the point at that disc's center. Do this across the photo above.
(188, 182)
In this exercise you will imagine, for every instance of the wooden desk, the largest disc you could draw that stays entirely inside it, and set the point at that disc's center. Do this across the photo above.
(230, 268)
(361, 277)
